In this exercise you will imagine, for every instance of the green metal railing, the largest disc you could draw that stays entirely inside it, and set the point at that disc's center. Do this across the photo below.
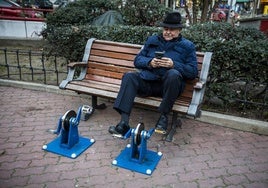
(34, 66)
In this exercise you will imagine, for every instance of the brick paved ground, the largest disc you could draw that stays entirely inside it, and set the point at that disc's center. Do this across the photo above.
(201, 156)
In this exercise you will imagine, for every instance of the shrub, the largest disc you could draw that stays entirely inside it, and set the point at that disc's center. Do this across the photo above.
(239, 70)
(68, 28)
(143, 12)
(81, 12)
(69, 42)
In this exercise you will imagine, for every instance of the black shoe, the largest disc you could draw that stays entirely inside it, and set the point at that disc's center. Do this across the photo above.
(120, 129)
(162, 124)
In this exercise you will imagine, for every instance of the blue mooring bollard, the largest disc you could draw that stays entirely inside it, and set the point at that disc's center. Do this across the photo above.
(69, 143)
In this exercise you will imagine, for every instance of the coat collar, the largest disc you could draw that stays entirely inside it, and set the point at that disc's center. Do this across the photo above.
(160, 36)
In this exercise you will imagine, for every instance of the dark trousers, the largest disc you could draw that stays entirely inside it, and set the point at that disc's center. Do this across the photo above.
(169, 88)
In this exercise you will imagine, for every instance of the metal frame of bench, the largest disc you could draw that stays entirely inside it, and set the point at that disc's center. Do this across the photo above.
(83, 83)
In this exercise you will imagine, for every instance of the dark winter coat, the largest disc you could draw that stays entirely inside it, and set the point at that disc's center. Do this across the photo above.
(180, 50)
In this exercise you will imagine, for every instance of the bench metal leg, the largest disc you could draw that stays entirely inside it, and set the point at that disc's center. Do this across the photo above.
(175, 123)
(95, 105)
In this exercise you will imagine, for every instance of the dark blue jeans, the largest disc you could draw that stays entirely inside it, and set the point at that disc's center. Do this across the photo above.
(169, 88)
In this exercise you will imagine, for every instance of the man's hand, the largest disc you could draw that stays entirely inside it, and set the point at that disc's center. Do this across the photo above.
(163, 62)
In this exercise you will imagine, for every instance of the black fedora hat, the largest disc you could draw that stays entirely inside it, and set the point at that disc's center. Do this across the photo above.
(172, 20)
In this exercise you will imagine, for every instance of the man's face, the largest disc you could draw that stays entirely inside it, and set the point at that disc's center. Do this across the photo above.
(171, 33)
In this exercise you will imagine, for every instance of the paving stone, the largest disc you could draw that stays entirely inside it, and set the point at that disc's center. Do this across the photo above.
(202, 155)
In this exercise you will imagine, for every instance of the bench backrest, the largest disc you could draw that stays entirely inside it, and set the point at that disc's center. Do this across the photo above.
(108, 61)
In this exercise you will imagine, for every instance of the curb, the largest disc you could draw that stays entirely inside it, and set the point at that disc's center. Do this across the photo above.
(234, 122)
(239, 123)
(21, 42)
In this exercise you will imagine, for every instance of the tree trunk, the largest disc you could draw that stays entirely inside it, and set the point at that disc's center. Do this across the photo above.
(188, 14)
(204, 14)
(195, 11)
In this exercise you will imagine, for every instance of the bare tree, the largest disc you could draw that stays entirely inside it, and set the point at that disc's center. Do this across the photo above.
(195, 11)
(205, 8)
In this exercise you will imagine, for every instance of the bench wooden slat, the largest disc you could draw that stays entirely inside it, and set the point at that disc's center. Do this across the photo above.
(98, 85)
(103, 79)
(104, 73)
(111, 61)
(110, 67)
(116, 55)
(116, 46)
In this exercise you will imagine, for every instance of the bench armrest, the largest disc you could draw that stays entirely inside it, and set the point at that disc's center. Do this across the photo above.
(83, 65)
(199, 88)
(71, 73)
(199, 85)
(77, 64)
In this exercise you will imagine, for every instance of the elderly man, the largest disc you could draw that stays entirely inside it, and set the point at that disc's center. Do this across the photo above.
(165, 63)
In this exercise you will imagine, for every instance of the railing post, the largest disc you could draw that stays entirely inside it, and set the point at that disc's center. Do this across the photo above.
(6, 63)
(18, 63)
(56, 69)
(30, 61)
(43, 67)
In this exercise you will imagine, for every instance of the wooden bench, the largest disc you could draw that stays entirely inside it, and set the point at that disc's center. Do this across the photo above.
(104, 62)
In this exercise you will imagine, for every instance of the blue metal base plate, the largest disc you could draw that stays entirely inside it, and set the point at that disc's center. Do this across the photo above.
(73, 152)
(147, 167)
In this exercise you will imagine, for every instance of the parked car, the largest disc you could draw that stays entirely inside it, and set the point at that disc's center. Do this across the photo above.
(10, 8)
(43, 4)
(60, 3)
(221, 15)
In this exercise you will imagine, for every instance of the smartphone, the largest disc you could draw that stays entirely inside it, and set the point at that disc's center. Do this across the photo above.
(159, 55)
